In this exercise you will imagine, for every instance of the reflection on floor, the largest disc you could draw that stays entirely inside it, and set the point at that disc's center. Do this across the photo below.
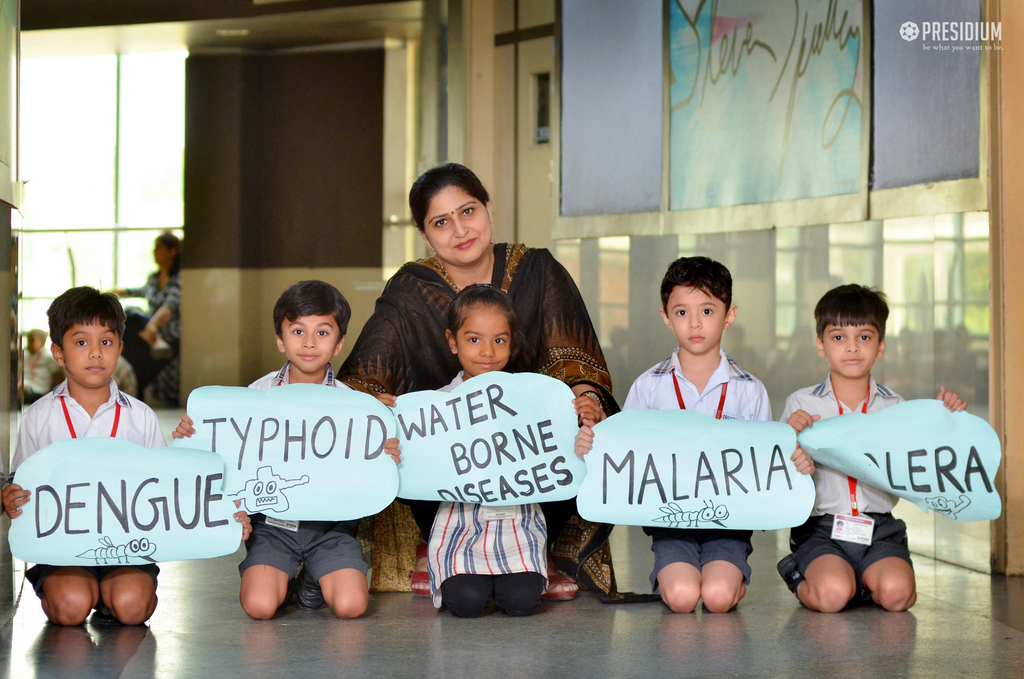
(964, 623)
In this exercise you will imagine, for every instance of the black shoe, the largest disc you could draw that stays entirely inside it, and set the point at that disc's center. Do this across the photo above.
(307, 591)
(102, 616)
(789, 569)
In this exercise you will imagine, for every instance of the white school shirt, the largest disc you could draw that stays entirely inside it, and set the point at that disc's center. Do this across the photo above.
(276, 379)
(45, 423)
(745, 397)
(831, 488)
(463, 540)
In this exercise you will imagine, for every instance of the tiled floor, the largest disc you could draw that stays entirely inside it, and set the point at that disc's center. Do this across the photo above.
(964, 624)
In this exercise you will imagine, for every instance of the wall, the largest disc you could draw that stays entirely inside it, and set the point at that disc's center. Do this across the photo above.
(283, 181)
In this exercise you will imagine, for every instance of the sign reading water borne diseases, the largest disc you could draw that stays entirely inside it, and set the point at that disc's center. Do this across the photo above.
(496, 439)
(301, 451)
(918, 450)
(107, 502)
(683, 469)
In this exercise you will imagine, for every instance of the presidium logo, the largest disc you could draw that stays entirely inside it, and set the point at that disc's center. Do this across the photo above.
(955, 35)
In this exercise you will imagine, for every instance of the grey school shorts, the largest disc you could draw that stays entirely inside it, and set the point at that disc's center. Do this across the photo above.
(324, 546)
(698, 547)
(38, 573)
(814, 539)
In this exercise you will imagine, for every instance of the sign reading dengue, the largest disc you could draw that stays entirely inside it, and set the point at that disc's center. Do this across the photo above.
(300, 451)
(917, 450)
(107, 501)
(683, 469)
(496, 439)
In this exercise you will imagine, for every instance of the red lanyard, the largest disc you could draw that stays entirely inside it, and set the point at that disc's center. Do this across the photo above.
(71, 427)
(682, 406)
(849, 479)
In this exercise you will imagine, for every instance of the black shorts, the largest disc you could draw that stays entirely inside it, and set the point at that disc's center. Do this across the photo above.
(814, 539)
(323, 546)
(38, 573)
(699, 546)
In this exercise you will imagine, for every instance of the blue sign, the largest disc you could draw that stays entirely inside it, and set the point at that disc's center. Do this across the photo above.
(918, 450)
(108, 501)
(683, 469)
(496, 439)
(299, 451)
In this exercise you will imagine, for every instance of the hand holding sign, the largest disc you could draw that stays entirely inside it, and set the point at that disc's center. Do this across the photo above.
(682, 469)
(496, 439)
(299, 451)
(106, 501)
(917, 450)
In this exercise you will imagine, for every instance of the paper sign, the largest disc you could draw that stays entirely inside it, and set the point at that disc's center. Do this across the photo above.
(683, 469)
(496, 439)
(299, 451)
(917, 450)
(107, 501)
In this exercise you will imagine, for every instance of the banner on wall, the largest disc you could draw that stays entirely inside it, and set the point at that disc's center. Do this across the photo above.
(683, 469)
(107, 501)
(765, 101)
(300, 451)
(918, 450)
(496, 439)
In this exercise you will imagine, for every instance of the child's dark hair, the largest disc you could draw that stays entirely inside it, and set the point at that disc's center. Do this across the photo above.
(312, 298)
(852, 304)
(703, 273)
(85, 305)
(483, 295)
(437, 179)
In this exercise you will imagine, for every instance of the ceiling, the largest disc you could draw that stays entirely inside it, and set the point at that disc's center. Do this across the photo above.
(332, 28)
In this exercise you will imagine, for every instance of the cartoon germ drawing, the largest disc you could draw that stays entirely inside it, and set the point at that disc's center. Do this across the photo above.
(676, 517)
(264, 494)
(109, 552)
(946, 506)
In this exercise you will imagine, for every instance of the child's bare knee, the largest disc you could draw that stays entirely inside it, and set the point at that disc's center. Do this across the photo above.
(132, 608)
(828, 595)
(720, 597)
(347, 602)
(680, 597)
(259, 605)
(895, 595)
(72, 608)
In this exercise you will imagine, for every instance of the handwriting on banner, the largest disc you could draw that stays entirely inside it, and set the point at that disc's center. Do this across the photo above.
(300, 451)
(496, 439)
(107, 501)
(916, 450)
(683, 469)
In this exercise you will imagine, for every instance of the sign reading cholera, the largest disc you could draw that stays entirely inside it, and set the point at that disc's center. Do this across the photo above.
(496, 439)
(107, 501)
(918, 450)
(299, 451)
(683, 469)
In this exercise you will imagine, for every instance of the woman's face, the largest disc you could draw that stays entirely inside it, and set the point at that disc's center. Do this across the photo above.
(163, 255)
(457, 227)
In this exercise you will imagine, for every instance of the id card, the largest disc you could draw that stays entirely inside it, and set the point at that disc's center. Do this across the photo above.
(853, 529)
(292, 526)
(500, 513)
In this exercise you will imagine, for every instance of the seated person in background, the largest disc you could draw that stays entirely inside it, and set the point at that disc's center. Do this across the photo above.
(323, 557)
(691, 565)
(41, 371)
(824, 571)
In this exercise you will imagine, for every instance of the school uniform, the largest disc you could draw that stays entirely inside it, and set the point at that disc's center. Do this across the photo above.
(833, 492)
(731, 393)
(57, 416)
(469, 540)
(322, 546)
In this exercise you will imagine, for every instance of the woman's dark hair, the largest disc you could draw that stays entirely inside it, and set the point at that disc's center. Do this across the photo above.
(851, 304)
(87, 306)
(483, 295)
(171, 242)
(437, 179)
(702, 273)
(312, 298)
